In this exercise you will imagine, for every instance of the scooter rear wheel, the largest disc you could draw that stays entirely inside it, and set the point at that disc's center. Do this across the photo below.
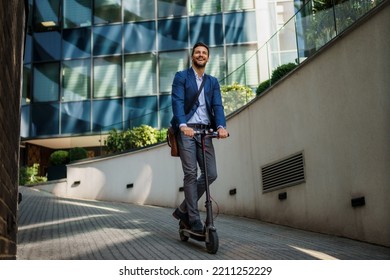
(213, 243)
(183, 237)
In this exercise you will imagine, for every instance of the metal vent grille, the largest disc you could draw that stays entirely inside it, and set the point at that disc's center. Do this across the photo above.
(283, 173)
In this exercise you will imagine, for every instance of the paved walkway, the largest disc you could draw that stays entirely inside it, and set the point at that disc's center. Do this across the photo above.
(63, 229)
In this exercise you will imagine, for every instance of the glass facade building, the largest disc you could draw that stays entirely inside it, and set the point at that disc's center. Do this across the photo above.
(94, 65)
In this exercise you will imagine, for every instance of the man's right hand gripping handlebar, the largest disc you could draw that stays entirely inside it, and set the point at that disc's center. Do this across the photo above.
(220, 133)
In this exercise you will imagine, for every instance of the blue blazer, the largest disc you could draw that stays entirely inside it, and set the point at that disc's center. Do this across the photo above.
(184, 90)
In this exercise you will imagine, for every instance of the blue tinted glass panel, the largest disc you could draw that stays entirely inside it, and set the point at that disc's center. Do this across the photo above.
(217, 63)
(77, 13)
(140, 73)
(171, 8)
(231, 5)
(199, 7)
(172, 34)
(107, 11)
(28, 49)
(170, 63)
(44, 119)
(26, 92)
(107, 114)
(25, 121)
(165, 110)
(107, 77)
(47, 46)
(207, 29)
(76, 43)
(76, 78)
(141, 110)
(46, 79)
(241, 69)
(137, 10)
(240, 27)
(45, 15)
(75, 117)
(107, 40)
(140, 37)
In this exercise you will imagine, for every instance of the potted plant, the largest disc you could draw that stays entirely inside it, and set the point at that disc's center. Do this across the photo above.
(57, 168)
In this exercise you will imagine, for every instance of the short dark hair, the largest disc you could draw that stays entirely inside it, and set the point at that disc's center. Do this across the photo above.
(200, 44)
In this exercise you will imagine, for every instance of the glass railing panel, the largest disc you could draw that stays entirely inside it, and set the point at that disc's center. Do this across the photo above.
(314, 29)
(264, 65)
(346, 13)
(283, 46)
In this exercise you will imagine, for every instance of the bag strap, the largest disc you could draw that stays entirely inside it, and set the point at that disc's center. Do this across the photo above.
(187, 109)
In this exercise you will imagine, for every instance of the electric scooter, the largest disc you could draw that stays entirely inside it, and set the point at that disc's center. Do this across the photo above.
(209, 235)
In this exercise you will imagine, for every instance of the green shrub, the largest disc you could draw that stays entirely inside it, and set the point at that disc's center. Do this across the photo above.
(281, 71)
(29, 175)
(59, 157)
(119, 141)
(262, 87)
(162, 135)
(235, 96)
(277, 74)
(77, 153)
(111, 142)
(143, 136)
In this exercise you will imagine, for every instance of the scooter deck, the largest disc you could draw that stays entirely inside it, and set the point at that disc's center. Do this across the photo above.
(186, 231)
(193, 235)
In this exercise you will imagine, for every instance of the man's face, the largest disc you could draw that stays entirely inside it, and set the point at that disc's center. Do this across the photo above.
(200, 56)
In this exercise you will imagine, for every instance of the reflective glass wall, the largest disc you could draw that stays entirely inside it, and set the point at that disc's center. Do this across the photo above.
(92, 65)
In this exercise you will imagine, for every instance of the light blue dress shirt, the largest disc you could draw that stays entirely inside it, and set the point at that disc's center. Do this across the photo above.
(201, 115)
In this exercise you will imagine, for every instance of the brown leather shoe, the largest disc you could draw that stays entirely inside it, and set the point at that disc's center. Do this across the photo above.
(197, 227)
(183, 217)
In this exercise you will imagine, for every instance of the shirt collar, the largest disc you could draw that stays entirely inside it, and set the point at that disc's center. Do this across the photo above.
(196, 74)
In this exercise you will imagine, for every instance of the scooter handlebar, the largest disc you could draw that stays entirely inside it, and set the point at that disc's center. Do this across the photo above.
(208, 133)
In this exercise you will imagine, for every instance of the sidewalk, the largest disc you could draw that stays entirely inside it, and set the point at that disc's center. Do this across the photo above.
(63, 229)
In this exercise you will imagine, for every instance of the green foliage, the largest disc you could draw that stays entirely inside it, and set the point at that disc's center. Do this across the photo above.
(327, 18)
(119, 141)
(29, 175)
(263, 86)
(77, 153)
(162, 135)
(59, 157)
(277, 74)
(235, 96)
(281, 71)
(143, 136)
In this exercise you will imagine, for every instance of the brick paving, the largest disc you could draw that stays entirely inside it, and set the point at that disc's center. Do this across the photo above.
(55, 228)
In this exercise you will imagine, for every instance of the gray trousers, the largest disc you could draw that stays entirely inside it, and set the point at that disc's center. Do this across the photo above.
(191, 157)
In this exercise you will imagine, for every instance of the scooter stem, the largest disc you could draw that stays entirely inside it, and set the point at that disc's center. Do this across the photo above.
(208, 203)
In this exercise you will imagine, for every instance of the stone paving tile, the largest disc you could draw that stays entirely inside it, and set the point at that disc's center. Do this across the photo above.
(58, 228)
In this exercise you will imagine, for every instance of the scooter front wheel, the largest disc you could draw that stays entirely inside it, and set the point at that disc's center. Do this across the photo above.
(213, 242)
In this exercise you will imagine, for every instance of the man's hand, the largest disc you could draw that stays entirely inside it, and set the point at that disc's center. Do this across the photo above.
(222, 133)
(187, 131)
